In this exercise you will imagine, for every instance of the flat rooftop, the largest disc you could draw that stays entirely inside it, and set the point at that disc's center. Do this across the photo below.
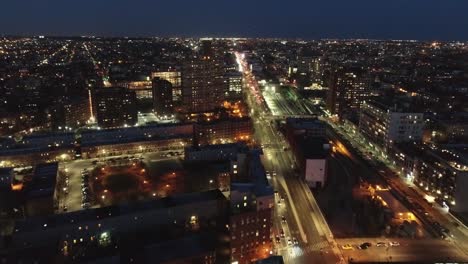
(37, 223)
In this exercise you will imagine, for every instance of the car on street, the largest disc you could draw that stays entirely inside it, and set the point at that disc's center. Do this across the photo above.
(295, 241)
(394, 244)
(289, 241)
(282, 233)
(365, 245)
(283, 219)
(278, 239)
(347, 247)
(381, 244)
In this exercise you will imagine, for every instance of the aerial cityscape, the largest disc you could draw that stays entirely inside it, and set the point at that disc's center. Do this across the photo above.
(130, 148)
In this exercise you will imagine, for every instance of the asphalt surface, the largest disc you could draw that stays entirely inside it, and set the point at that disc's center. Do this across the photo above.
(71, 200)
(409, 250)
(304, 220)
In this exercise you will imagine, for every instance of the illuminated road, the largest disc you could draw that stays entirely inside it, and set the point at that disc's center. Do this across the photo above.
(99, 70)
(305, 221)
(458, 231)
(409, 250)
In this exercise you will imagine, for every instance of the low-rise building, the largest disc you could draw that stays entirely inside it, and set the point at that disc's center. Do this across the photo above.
(450, 127)
(250, 223)
(40, 192)
(310, 127)
(110, 142)
(440, 171)
(443, 173)
(38, 148)
(223, 131)
(312, 156)
(307, 140)
(193, 219)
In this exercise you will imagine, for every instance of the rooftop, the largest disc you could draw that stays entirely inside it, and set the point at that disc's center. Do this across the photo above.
(397, 104)
(313, 148)
(37, 223)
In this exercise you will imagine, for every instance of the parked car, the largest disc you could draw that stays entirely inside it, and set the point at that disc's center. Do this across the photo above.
(295, 241)
(347, 247)
(394, 244)
(278, 239)
(283, 219)
(365, 245)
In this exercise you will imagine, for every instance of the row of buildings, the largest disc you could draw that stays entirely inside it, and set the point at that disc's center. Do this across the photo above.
(62, 146)
(233, 225)
(397, 128)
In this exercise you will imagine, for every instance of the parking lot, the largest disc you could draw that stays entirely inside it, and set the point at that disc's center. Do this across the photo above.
(75, 194)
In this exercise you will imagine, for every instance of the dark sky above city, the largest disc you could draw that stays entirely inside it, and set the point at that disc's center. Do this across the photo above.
(309, 19)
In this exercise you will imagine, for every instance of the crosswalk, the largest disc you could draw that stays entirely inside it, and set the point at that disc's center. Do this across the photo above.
(291, 253)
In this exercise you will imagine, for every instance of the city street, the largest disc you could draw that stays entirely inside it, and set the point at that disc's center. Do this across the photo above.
(311, 229)
(305, 221)
(409, 250)
(459, 232)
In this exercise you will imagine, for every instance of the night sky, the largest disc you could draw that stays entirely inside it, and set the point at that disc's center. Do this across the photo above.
(308, 19)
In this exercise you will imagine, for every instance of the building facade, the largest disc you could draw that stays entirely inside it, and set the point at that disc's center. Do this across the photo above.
(203, 84)
(115, 107)
(223, 131)
(348, 88)
(175, 78)
(162, 96)
(386, 124)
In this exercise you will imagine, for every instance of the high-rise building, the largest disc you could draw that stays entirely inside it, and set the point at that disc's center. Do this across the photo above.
(162, 96)
(348, 88)
(203, 85)
(115, 107)
(387, 122)
(234, 82)
(174, 77)
(76, 112)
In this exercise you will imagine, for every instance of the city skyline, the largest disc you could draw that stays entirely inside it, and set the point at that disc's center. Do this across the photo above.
(419, 20)
(239, 132)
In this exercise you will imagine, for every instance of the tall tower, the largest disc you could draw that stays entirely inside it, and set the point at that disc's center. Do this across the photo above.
(115, 107)
(348, 88)
(203, 85)
(162, 96)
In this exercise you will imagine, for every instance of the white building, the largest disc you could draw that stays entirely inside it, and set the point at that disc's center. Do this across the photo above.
(385, 124)
(315, 172)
